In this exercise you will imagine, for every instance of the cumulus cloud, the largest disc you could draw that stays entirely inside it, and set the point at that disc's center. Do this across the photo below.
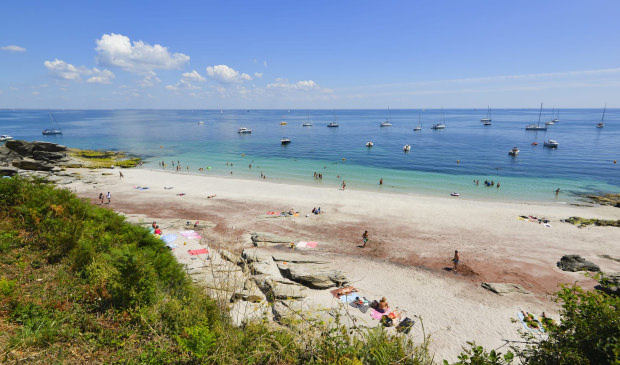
(258, 75)
(66, 71)
(284, 84)
(187, 80)
(227, 75)
(149, 80)
(13, 48)
(117, 50)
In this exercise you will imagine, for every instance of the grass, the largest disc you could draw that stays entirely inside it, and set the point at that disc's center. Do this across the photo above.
(102, 158)
(78, 284)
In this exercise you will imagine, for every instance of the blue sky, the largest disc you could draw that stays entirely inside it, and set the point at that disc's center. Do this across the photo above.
(318, 54)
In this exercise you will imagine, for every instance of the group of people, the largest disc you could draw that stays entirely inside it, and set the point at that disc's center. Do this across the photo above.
(487, 183)
(318, 176)
(155, 229)
(316, 211)
(103, 197)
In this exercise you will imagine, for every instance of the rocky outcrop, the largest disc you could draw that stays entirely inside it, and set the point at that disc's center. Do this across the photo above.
(30, 164)
(279, 288)
(7, 171)
(312, 275)
(576, 263)
(610, 283)
(33, 156)
(504, 288)
(268, 240)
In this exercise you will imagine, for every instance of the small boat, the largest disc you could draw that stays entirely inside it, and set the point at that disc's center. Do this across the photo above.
(407, 148)
(534, 143)
(536, 127)
(285, 141)
(369, 144)
(332, 125)
(601, 124)
(244, 130)
(201, 122)
(417, 128)
(550, 122)
(385, 124)
(283, 123)
(307, 123)
(51, 131)
(488, 118)
(5, 137)
(514, 151)
(438, 126)
(455, 194)
(551, 144)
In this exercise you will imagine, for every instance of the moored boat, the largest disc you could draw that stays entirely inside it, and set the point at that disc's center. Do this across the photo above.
(332, 125)
(285, 141)
(5, 137)
(369, 144)
(244, 130)
(407, 148)
(514, 151)
(551, 144)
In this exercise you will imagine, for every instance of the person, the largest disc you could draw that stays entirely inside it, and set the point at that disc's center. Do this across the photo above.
(109, 196)
(344, 185)
(365, 238)
(498, 184)
(157, 230)
(381, 181)
(154, 225)
(456, 259)
(314, 210)
(101, 198)
(120, 173)
(318, 211)
(383, 305)
(557, 191)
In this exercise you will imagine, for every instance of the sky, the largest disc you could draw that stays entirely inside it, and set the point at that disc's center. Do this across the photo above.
(309, 54)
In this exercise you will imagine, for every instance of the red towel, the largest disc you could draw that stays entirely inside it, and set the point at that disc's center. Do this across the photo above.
(198, 252)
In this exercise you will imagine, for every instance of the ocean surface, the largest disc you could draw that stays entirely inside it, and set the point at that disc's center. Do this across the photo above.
(440, 161)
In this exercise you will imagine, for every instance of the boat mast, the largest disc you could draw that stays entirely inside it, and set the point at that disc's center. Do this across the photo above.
(603, 117)
(539, 114)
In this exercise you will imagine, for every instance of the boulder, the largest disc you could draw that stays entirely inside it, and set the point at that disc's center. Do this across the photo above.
(30, 164)
(312, 275)
(47, 146)
(48, 156)
(7, 171)
(250, 292)
(576, 263)
(504, 288)
(23, 148)
(610, 283)
(267, 239)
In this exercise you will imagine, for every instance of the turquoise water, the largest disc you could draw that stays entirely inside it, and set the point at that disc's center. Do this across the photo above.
(582, 163)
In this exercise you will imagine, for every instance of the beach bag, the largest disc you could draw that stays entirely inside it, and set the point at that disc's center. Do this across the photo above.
(387, 321)
(374, 304)
(405, 325)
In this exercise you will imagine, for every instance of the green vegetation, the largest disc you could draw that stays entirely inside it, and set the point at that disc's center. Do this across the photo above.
(588, 333)
(78, 284)
(582, 222)
(102, 158)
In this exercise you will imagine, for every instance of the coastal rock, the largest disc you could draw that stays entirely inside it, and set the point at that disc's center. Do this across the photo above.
(254, 255)
(264, 268)
(229, 256)
(48, 147)
(22, 148)
(267, 239)
(279, 288)
(7, 171)
(297, 258)
(48, 156)
(243, 312)
(30, 164)
(312, 275)
(576, 263)
(610, 283)
(504, 288)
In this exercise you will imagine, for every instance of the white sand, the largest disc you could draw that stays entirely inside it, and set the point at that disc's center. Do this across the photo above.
(412, 240)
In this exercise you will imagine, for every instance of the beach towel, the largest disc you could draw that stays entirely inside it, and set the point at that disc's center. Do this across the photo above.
(348, 298)
(190, 234)
(304, 244)
(405, 325)
(522, 319)
(376, 314)
(342, 291)
(169, 238)
(198, 252)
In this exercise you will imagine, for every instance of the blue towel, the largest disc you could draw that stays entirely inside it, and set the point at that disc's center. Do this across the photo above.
(349, 297)
(169, 238)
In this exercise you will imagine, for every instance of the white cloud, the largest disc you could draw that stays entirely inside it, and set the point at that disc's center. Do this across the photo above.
(187, 80)
(304, 85)
(193, 76)
(227, 75)
(117, 50)
(149, 80)
(258, 75)
(13, 48)
(35, 93)
(66, 71)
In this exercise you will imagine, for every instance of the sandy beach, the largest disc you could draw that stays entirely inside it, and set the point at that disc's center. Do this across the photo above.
(412, 240)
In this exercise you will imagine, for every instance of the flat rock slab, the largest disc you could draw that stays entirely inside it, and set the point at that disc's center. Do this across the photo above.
(267, 239)
(576, 263)
(255, 255)
(504, 288)
(312, 275)
(297, 258)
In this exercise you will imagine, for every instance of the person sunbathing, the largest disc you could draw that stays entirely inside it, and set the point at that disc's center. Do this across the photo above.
(383, 305)
(529, 320)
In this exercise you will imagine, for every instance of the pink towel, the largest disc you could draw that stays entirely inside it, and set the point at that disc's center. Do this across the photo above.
(198, 252)
(376, 314)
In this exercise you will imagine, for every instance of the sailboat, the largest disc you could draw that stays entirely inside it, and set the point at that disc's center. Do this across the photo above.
(441, 125)
(418, 127)
(307, 123)
(51, 131)
(487, 120)
(333, 124)
(601, 124)
(557, 117)
(388, 122)
(537, 127)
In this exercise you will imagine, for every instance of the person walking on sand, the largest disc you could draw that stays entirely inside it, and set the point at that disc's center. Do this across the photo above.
(109, 196)
(120, 175)
(456, 260)
(101, 198)
(365, 238)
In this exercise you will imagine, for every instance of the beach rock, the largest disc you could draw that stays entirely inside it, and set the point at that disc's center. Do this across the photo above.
(254, 255)
(243, 312)
(22, 148)
(267, 239)
(48, 147)
(279, 288)
(297, 258)
(504, 288)
(610, 283)
(48, 156)
(7, 171)
(229, 256)
(576, 263)
(30, 164)
(264, 268)
(250, 292)
(312, 275)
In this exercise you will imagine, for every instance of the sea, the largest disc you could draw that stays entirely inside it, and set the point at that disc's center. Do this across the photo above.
(440, 162)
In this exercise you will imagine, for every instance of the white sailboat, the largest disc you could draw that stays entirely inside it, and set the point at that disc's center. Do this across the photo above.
(537, 127)
(51, 131)
(388, 121)
(601, 124)
(441, 125)
(487, 120)
(418, 127)
(307, 123)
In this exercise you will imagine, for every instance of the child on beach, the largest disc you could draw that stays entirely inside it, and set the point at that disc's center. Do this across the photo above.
(365, 238)
(456, 259)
